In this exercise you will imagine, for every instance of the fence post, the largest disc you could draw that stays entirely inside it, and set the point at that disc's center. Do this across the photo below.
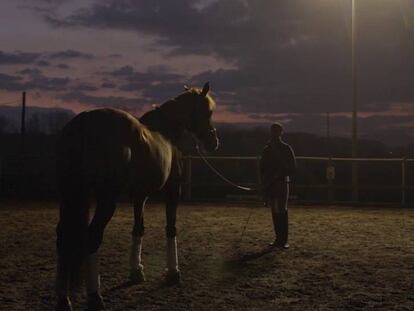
(188, 178)
(259, 177)
(330, 177)
(354, 176)
(403, 182)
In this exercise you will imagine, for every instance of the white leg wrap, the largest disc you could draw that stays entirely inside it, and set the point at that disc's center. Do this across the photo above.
(135, 256)
(92, 276)
(172, 257)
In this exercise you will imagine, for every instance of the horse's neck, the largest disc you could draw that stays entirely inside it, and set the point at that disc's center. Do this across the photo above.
(156, 120)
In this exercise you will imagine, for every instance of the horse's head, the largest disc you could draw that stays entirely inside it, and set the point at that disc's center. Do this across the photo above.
(200, 107)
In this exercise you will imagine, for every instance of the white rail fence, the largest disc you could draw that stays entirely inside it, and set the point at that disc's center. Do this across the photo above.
(387, 180)
(382, 180)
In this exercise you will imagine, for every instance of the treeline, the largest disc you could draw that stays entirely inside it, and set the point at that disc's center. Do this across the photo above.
(37, 120)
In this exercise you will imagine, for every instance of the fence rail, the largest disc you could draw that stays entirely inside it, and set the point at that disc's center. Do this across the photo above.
(380, 179)
(329, 185)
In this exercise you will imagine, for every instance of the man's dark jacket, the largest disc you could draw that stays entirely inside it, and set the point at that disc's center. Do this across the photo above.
(277, 162)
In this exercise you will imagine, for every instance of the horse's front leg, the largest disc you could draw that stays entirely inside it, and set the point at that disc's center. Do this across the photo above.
(136, 273)
(172, 195)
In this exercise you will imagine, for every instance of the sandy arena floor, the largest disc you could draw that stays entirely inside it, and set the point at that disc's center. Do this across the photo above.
(341, 258)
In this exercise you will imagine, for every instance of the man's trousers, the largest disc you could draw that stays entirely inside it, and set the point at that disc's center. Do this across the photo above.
(278, 201)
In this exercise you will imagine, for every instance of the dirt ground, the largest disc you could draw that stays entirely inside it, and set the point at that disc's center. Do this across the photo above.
(341, 258)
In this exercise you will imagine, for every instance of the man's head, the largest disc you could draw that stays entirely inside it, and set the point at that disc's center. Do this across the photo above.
(276, 130)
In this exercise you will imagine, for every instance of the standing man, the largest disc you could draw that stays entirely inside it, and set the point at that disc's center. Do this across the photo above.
(276, 168)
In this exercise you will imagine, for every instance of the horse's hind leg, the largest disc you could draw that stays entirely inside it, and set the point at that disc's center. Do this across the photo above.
(62, 278)
(105, 207)
(71, 241)
(172, 195)
(136, 273)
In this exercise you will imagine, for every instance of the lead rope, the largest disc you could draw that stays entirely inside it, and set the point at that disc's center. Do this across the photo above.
(221, 175)
(230, 183)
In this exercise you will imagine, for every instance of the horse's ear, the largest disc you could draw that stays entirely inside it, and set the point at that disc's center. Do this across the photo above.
(186, 88)
(205, 90)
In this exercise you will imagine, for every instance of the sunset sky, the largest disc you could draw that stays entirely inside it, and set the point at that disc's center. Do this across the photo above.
(266, 60)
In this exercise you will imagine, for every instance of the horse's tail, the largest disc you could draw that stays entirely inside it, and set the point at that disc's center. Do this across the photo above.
(72, 238)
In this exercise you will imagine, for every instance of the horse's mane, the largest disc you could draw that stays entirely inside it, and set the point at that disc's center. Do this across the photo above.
(210, 100)
(158, 120)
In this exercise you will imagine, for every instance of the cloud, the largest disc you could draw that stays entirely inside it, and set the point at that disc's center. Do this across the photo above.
(69, 54)
(52, 1)
(10, 83)
(175, 22)
(17, 58)
(30, 72)
(154, 74)
(123, 71)
(42, 59)
(115, 55)
(47, 83)
(33, 78)
(63, 66)
(83, 87)
(108, 85)
(288, 56)
(103, 101)
(36, 81)
(159, 93)
(43, 7)
(156, 85)
(43, 63)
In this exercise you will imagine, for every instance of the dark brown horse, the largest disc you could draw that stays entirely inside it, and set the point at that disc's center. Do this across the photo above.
(105, 151)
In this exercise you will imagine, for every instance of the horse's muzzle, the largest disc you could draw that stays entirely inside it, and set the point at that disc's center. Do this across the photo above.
(210, 140)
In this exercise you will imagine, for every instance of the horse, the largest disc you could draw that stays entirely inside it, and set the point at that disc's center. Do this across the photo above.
(103, 152)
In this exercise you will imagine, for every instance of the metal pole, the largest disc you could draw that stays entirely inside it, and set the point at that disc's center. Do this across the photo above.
(258, 173)
(23, 124)
(403, 182)
(355, 195)
(328, 134)
(328, 137)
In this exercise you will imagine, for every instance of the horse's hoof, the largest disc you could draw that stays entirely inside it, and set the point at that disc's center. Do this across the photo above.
(95, 302)
(137, 276)
(173, 277)
(63, 304)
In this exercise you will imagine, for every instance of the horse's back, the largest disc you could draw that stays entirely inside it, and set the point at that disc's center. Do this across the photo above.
(109, 148)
